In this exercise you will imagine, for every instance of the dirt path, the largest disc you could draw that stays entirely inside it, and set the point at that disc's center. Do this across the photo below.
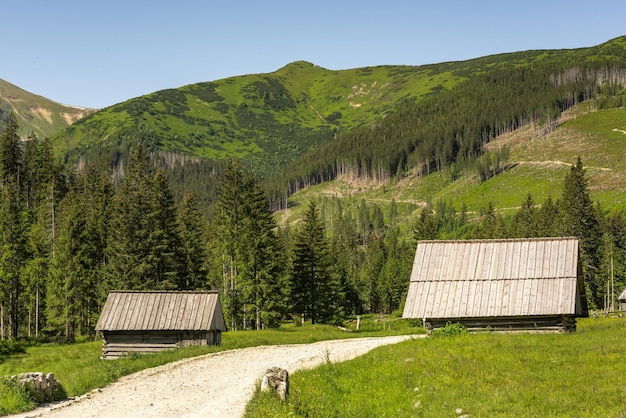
(215, 385)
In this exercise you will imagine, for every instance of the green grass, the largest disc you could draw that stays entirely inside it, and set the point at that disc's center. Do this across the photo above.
(79, 369)
(485, 375)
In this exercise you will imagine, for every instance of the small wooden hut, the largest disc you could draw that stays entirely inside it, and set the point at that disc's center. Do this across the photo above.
(622, 300)
(151, 321)
(515, 284)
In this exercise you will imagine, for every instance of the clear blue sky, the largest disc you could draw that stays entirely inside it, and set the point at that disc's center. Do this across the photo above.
(96, 54)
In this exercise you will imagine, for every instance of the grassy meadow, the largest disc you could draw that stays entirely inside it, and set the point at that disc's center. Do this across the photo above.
(578, 374)
(79, 369)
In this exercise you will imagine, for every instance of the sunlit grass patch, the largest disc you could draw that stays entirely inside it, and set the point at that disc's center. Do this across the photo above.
(481, 375)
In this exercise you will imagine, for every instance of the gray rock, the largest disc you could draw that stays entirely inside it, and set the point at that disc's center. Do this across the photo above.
(278, 380)
(43, 387)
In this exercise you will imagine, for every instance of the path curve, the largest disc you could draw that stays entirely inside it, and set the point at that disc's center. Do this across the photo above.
(216, 385)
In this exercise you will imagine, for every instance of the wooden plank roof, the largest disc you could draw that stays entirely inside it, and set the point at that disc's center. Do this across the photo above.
(161, 310)
(495, 278)
(622, 296)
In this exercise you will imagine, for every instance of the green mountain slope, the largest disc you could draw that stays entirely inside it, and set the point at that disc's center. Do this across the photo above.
(267, 120)
(264, 119)
(35, 113)
(303, 124)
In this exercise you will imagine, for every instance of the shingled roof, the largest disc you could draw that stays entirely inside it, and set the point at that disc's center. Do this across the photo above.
(161, 310)
(496, 278)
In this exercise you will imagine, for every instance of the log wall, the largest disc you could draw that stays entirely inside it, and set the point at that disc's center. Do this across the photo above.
(120, 343)
(558, 323)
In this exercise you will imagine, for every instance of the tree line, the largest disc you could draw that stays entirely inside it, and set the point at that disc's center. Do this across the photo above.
(68, 237)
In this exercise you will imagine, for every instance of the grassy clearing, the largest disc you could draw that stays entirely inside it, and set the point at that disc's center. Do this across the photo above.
(79, 369)
(478, 375)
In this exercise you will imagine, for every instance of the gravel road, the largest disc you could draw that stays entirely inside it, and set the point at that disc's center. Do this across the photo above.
(214, 385)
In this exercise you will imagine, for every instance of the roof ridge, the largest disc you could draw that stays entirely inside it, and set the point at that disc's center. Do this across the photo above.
(498, 240)
(164, 291)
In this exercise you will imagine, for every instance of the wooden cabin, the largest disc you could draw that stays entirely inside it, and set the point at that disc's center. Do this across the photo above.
(622, 300)
(151, 321)
(498, 285)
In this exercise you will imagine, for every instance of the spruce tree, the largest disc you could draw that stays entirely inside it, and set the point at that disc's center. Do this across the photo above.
(312, 286)
(375, 259)
(524, 223)
(35, 271)
(67, 275)
(163, 238)
(229, 221)
(252, 258)
(548, 220)
(129, 252)
(426, 227)
(345, 254)
(192, 231)
(11, 154)
(579, 219)
(262, 260)
(75, 290)
(15, 221)
(491, 224)
(13, 255)
(39, 170)
(396, 271)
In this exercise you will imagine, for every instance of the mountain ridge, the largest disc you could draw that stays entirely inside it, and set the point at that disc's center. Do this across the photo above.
(248, 115)
(36, 114)
(253, 117)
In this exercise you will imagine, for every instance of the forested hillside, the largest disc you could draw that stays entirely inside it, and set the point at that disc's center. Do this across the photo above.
(451, 129)
(442, 153)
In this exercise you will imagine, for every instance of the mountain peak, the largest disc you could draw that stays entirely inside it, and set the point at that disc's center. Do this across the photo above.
(298, 67)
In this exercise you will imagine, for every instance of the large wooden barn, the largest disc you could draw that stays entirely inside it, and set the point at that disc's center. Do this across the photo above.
(151, 321)
(516, 284)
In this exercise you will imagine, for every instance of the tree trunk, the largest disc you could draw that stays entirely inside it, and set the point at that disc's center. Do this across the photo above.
(37, 312)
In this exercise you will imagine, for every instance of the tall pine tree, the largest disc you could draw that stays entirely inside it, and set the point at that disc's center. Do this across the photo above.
(14, 223)
(163, 239)
(11, 154)
(229, 221)
(252, 258)
(13, 256)
(262, 259)
(142, 245)
(580, 219)
(192, 230)
(313, 289)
